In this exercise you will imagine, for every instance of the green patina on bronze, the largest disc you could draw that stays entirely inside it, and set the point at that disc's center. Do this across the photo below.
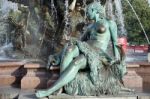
(85, 66)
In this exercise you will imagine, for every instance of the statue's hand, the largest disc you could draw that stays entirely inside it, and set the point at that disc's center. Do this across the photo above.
(53, 61)
(50, 61)
(74, 40)
(114, 62)
(117, 59)
(120, 54)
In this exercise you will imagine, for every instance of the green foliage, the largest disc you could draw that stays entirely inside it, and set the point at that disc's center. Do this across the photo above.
(135, 33)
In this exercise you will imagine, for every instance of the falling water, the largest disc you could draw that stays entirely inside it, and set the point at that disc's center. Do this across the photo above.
(67, 28)
(148, 2)
(54, 13)
(84, 8)
(109, 6)
(5, 46)
(120, 18)
(5, 50)
(55, 20)
(139, 21)
(6, 6)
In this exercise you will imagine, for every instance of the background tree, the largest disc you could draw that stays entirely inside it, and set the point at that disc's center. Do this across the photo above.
(135, 33)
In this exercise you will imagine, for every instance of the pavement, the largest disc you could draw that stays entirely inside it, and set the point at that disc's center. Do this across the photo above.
(9, 92)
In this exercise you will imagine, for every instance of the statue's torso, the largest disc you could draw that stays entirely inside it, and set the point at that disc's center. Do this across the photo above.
(97, 39)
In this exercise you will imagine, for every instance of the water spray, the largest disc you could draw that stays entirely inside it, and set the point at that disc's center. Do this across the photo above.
(54, 13)
(120, 17)
(110, 9)
(84, 8)
(7, 5)
(41, 43)
(67, 29)
(55, 20)
(139, 21)
(148, 2)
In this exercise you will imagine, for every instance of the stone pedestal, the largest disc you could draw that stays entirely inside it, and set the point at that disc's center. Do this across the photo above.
(36, 77)
(11, 73)
(148, 56)
(138, 76)
(132, 79)
(31, 95)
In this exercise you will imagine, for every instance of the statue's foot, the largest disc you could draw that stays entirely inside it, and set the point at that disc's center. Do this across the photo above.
(58, 92)
(41, 94)
(127, 89)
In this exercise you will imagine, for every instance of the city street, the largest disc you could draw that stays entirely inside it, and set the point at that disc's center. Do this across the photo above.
(136, 57)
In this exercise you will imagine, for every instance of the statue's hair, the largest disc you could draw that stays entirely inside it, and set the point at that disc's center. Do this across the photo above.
(97, 7)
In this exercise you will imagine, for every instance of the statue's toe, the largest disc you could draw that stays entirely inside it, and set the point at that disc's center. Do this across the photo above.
(40, 94)
(37, 94)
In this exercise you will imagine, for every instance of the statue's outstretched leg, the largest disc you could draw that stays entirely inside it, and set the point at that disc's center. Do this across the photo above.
(66, 76)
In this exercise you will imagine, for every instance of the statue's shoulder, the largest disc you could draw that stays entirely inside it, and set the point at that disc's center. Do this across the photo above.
(111, 22)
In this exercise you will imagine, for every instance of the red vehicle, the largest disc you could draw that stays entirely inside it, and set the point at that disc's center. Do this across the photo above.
(123, 41)
(133, 48)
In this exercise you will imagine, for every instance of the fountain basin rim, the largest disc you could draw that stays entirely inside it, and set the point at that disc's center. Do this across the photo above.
(19, 62)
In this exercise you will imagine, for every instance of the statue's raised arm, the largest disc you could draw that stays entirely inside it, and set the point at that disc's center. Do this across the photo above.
(114, 36)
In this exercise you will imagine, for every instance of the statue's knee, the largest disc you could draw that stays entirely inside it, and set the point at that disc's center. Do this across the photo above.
(73, 50)
(69, 50)
(80, 60)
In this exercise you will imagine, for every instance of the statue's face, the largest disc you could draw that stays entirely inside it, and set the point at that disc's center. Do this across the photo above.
(90, 14)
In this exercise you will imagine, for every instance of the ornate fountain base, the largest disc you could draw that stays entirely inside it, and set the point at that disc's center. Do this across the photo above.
(149, 57)
(64, 96)
(23, 74)
(11, 73)
(35, 76)
(14, 93)
(138, 76)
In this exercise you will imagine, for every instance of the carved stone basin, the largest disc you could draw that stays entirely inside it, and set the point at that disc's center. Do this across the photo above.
(12, 71)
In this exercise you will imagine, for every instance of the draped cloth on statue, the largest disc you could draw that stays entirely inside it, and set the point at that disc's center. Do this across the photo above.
(98, 79)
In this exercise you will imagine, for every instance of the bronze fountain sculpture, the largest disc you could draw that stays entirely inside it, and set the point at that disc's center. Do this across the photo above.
(85, 66)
